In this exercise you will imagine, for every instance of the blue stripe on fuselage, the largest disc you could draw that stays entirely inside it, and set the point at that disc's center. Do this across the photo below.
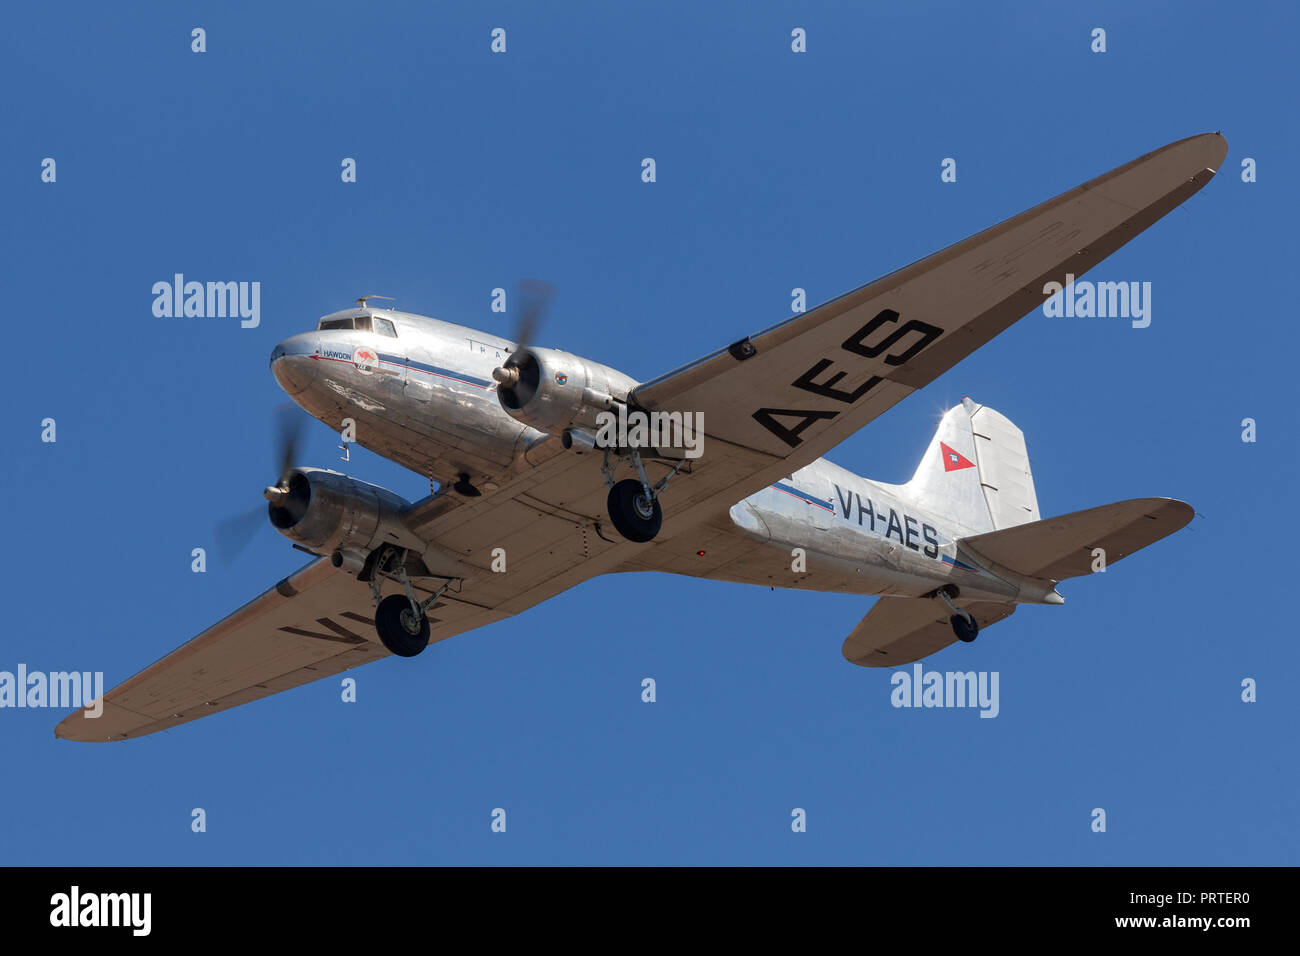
(434, 370)
(811, 499)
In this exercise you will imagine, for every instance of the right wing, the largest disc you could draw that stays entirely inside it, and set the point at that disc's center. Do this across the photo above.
(315, 623)
(310, 625)
(320, 621)
(901, 630)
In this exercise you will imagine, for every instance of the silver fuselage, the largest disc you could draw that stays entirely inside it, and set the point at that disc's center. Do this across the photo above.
(426, 399)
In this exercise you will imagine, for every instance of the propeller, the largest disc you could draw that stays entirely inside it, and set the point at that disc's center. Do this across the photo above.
(290, 437)
(232, 535)
(519, 373)
(535, 297)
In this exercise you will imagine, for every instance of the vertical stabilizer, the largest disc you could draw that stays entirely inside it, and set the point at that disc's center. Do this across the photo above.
(975, 472)
(1003, 462)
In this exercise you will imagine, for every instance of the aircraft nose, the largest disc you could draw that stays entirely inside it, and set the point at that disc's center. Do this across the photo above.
(293, 362)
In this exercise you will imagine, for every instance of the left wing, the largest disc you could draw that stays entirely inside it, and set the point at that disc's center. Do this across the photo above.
(781, 398)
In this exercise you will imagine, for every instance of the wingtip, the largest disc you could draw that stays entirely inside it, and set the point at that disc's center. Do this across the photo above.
(1179, 510)
(1216, 149)
(72, 728)
(1222, 148)
(1202, 151)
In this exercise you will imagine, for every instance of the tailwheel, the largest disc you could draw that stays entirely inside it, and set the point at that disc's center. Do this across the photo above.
(965, 626)
(635, 513)
(963, 622)
(403, 629)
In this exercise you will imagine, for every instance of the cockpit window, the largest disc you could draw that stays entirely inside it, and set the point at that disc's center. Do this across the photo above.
(384, 327)
(363, 323)
(327, 325)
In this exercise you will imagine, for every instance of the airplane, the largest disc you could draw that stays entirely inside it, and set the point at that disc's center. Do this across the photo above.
(531, 503)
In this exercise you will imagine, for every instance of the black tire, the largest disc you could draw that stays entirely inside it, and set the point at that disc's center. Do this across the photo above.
(636, 517)
(393, 631)
(965, 629)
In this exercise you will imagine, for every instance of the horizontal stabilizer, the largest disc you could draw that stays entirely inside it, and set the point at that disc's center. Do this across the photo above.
(1062, 547)
(901, 630)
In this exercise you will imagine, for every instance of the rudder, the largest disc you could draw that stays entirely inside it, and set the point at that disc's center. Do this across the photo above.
(1003, 462)
(975, 472)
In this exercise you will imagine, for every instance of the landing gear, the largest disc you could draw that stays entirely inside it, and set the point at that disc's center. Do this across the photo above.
(633, 503)
(399, 628)
(965, 626)
(963, 622)
(636, 515)
(400, 619)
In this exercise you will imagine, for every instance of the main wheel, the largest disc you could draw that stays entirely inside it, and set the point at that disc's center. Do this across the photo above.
(398, 628)
(965, 628)
(635, 514)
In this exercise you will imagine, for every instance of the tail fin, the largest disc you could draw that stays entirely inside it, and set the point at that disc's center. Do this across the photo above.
(975, 472)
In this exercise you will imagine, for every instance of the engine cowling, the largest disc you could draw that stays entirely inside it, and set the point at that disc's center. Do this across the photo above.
(330, 513)
(554, 391)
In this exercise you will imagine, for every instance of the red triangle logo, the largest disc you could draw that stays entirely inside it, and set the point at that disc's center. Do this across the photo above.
(954, 460)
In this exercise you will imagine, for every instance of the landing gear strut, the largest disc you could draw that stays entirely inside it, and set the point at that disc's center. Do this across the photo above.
(400, 619)
(963, 622)
(633, 503)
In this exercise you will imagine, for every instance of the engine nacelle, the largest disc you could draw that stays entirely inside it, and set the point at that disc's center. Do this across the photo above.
(553, 391)
(327, 512)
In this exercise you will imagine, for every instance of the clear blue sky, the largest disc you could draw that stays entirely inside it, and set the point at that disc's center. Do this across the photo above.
(775, 170)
